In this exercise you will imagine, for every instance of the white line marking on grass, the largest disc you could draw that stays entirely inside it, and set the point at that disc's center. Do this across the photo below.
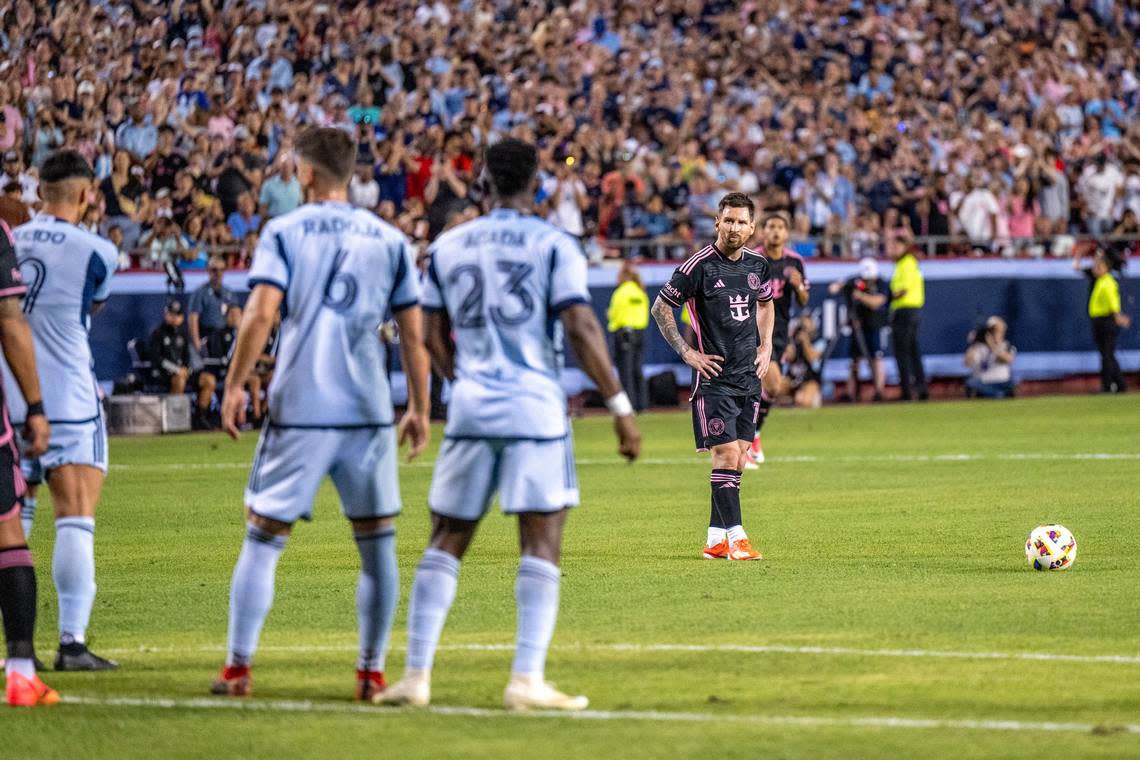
(1117, 659)
(796, 721)
(703, 461)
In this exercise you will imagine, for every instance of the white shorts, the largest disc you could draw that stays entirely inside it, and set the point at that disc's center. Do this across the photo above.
(529, 476)
(291, 463)
(70, 443)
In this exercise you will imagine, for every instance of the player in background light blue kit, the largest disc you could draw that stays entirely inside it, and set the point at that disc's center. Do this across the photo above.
(336, 271)
(505, 285)
(68, 274)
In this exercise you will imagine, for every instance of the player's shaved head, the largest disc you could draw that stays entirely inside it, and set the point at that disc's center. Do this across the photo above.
(64, 176)
(331, 153)
(511, 165)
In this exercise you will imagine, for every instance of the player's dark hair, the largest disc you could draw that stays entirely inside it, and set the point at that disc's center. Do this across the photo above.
(783, 216)
(736, 200)
(331, 151)
(64, 165)
(511, 165)
(58, 169)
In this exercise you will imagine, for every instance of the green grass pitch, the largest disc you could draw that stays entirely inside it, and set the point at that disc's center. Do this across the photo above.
(895, 613)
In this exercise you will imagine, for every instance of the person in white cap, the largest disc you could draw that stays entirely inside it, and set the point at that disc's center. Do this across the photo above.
(865, 295)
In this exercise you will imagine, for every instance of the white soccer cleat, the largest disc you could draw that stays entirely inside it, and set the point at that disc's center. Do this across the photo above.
(530, 692)
(413, 690)
(749, 464)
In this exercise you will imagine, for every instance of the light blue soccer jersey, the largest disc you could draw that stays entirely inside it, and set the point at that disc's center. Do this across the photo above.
(503, 279)
(66, 269)
(342, 268)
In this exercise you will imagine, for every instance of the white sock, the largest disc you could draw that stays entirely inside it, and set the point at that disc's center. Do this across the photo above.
(736, 533)
(716, 535)
(433, 591)
(73, 570)
(536, 593)
(251, 593)
(24, 666)
(27, 514)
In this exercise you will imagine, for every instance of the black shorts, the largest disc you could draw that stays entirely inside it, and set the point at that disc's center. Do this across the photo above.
(724, 419)
(12, 486)
(866, 343)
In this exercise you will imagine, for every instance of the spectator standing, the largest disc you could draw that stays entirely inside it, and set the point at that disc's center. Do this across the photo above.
(168, 350)
(166, 162)
(363, 189)
(138, 136)
(977, 211)
(281, 193)
(567, 198)
(1107, 318)
(628, 315)
(1100, 186)
(908, 296)
(208, 304)
(1053, 194)
(990, 361)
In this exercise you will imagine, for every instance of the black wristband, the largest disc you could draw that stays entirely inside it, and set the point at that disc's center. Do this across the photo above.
(36, 409)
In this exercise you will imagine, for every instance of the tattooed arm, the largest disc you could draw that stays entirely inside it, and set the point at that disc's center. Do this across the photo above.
(708, 365)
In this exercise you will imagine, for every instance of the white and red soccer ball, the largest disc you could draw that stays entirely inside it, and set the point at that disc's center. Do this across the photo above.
(1051, 547)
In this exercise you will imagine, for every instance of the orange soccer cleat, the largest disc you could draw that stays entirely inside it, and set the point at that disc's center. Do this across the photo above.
(29, 692)
(742, 550)
(368, 684)
(717, 551)
(234, 681)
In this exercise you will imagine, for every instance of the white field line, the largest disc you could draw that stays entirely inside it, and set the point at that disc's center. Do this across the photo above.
(1117, 659)
(795, 721)
(703, 461)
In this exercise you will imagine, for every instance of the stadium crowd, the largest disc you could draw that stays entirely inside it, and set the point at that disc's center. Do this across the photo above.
(868, 121)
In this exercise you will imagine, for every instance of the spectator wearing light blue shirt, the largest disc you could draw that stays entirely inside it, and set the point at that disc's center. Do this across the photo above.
(281, 193)
(138, 136)
(244, 221)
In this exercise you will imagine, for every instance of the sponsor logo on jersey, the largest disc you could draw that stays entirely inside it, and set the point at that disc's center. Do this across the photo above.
(719, 284)
(738, 305)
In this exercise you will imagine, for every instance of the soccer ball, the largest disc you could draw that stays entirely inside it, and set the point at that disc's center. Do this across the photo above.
(1051, 547)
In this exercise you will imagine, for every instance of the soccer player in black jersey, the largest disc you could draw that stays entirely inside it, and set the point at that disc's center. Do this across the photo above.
(725, 288)
(789, 281)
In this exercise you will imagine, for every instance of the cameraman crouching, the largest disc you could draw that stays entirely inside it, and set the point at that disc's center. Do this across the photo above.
(990, 360)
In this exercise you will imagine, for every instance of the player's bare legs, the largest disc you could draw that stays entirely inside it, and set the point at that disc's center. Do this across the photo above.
(18, 610)
(28, 510)
(251, 597)
(771, 384)
(75, 491)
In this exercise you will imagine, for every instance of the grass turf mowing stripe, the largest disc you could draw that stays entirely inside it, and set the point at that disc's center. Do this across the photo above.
(696, 459)
(1120, 659)
(801, 721)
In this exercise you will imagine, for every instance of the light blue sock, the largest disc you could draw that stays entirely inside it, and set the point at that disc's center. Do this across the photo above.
(28, 514)
(377, 593)
(536, 592)
(73, 570)
(251, 592)
(433, 591)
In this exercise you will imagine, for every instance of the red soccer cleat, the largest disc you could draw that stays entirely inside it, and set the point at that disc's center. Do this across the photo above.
(28, 692)
(368, 684)
(234, 681)
(742, 550)
(717, 551)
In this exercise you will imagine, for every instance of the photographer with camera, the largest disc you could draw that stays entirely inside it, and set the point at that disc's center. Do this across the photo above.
(865, 295)
(990, 360)
(803, 364)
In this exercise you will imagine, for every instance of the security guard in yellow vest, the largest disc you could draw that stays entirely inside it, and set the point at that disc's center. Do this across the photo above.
(908, 295)
(628, 315)
(1107, 319)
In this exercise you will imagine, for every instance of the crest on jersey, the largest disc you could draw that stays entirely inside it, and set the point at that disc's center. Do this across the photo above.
(738, 305)
(754, 281)
(716, 426)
